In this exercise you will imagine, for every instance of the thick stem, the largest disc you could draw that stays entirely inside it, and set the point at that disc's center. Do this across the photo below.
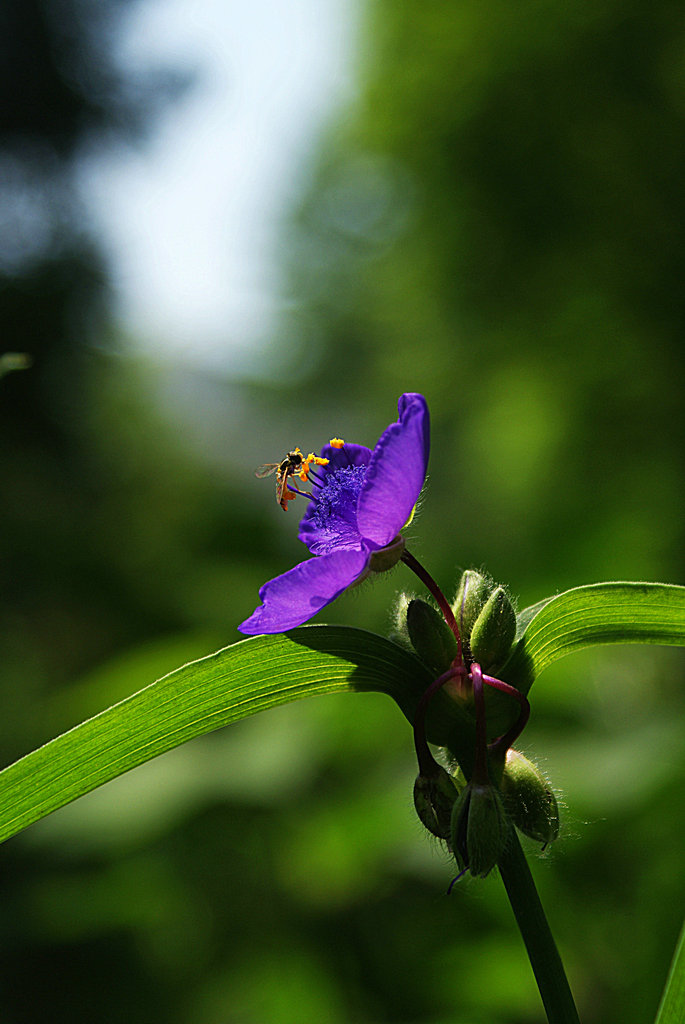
(437, 593)
(542, 951)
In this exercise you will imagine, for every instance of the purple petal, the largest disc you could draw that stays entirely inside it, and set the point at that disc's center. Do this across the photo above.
(338, 535)
(348, 455)
(291, 599)
(396, 473)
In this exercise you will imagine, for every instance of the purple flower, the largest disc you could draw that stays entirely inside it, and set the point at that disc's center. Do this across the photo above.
(360, 501)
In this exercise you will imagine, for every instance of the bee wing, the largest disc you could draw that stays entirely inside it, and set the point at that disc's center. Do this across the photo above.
(267, 469)
(281, 488)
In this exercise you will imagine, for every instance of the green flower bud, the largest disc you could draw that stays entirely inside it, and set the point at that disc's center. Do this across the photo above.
(431, 637)
(474, 590)
(433, 799)
(478, 828)
(529, 800)
(493, 632)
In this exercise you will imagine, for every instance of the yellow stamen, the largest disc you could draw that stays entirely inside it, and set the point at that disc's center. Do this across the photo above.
(335, 442)
(306, 463)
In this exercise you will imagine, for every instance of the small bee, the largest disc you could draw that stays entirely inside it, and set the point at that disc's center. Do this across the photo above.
(293, 463)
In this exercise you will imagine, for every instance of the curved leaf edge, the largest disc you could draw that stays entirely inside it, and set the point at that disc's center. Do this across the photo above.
(616, 612)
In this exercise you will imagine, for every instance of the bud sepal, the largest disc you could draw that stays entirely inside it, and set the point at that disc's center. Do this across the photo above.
(529, 799)
(494, 631)
(479, 828)
(434, 798)
(430, 636)
(470, 599)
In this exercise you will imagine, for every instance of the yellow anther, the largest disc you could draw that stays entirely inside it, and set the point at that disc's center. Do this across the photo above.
(311, 459)
(335, 442)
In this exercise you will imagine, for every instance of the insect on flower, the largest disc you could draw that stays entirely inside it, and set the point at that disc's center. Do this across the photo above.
(287, 467)
(293, 464)
(360, 502)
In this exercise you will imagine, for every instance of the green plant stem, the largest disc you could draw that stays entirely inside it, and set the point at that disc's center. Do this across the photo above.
(542, 951)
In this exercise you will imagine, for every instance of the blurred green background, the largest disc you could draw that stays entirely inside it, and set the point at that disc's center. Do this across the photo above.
(496, 218)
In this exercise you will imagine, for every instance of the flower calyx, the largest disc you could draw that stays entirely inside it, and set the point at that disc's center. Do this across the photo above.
(387, 557)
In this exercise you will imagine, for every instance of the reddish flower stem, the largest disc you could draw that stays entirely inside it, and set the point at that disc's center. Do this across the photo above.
(500, 746)
(437, 593)
(428, 766)
(480, 761)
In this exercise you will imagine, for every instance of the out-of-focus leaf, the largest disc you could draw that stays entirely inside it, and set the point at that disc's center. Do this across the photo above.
(10, 362)
(672, 1007)
(602, 613)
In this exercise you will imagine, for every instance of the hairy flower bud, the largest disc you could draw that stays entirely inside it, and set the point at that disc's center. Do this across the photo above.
(431, 637)
(478, 828)
(493, 632)
(474, 590)
(434, 798)
(529, 799)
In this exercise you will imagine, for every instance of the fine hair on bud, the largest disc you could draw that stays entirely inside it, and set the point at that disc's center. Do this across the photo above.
(479, 828)
(434, 798)
(431, 637)
(399, 633)
(472, 593)
(494, 631)
(529, 799)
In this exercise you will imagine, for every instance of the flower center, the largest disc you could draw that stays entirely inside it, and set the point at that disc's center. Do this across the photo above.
(338, 496)
(335, 509)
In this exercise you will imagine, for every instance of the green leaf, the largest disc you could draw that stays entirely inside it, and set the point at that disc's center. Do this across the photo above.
(603, 613)
(266, 671)
(672, 1007)
(238, 681)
